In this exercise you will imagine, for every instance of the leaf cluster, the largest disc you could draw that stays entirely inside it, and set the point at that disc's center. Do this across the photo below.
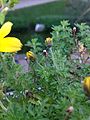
(52, 84)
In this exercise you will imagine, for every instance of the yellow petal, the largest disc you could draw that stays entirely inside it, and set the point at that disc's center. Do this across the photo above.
(10, 44)
(5, 29)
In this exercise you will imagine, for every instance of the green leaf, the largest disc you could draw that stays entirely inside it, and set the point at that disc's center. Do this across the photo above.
(2, 18)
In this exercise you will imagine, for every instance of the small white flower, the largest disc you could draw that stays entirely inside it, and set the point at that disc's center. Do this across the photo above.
(74, 28)
(70, 109)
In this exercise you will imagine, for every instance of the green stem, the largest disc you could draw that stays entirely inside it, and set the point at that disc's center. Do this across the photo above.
(40, 65)
(3, 107)
(8, 100)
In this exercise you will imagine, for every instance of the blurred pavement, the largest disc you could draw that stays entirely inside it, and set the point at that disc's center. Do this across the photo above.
(27, 3)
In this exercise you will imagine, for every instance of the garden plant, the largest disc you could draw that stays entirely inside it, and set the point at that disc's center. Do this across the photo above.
(57, 85)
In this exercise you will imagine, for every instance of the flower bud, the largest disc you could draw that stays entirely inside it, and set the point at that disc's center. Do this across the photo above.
(86, 86)
(70, 109)
(45, 53)
(48, 42)
(74, 31)
(74, 28)
(30, 55)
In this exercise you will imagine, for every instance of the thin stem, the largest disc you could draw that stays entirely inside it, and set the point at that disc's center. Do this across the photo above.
(8, 100)
(67, 116)
(3, 107)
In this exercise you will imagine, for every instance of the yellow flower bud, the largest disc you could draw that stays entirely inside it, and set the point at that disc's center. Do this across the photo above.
(48, 41)
(86, 86)
(30, 55)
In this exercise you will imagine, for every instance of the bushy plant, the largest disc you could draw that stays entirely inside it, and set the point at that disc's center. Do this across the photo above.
(52, 86)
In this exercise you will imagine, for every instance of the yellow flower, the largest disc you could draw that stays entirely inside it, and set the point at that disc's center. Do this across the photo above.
(48, 41)
(86, 85)
(30, 55)
(8, 44)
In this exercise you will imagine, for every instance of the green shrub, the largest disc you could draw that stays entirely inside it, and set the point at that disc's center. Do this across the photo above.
(53, 83)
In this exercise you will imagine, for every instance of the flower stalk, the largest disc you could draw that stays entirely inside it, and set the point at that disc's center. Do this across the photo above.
(3, 107)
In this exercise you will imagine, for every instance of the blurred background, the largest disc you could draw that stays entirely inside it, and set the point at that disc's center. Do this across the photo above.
(34, 18)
